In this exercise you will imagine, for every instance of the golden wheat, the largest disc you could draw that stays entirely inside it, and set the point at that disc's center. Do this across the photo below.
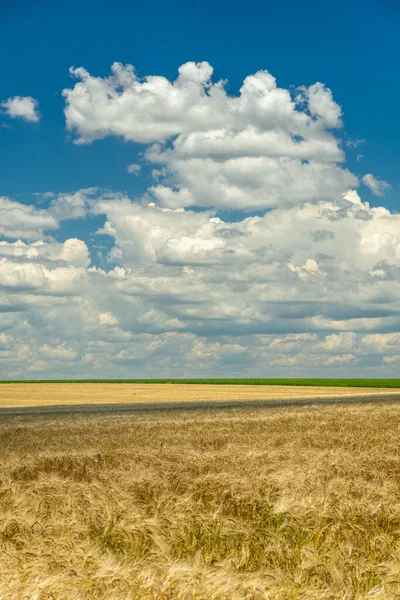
(34, 394)
(264, 504)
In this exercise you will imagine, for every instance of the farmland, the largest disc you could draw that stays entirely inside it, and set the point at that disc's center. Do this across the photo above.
(256, 504)
(65, 393)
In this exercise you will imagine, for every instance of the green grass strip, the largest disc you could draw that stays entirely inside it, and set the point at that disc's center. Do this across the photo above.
(378, 383)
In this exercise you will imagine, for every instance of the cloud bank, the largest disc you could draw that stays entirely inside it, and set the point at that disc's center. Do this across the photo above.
(302, 279)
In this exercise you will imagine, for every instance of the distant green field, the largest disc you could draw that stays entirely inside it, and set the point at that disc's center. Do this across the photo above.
(379, 383)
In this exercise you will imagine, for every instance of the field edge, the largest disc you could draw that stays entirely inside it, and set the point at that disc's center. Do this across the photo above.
(358, 382)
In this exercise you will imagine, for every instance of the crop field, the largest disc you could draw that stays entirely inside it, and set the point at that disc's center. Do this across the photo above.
(65, 393)
(249, 504)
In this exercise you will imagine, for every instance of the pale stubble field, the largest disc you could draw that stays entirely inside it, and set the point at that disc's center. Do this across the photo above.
(244, 504)
(43, 394)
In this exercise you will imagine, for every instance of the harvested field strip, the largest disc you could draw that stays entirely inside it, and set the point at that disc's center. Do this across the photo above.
(108, 393)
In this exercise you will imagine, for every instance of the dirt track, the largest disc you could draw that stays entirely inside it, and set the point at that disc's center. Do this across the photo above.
(57, 394)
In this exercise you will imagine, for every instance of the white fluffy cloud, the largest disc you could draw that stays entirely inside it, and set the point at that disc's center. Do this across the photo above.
(134, 169)
(262, 148)
(61, 352)
(24, 107)
(377, 186)
(322, 104)
(27, 221)
(308, 238)
(107, 319)
(24, 220)
(156, 109)
(73, 252)
(70, 206)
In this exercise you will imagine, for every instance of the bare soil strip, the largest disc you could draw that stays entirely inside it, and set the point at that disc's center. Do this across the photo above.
(57, 394)
(138, 409)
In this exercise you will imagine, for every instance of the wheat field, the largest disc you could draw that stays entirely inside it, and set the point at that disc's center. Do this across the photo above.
(262, 504)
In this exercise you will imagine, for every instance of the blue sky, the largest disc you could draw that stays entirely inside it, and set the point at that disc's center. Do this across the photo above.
(350, 47)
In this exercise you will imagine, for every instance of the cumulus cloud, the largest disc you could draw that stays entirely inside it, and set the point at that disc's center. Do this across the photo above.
(27, 221)
(187, 291)
(377, 186)
(72, 252)
(61, 352)
(107, 319)
(134, 169)
(381, 343)
(40, 279)
(71, 206)
(147, 234)
(38, 365)
(24, 107)
(24, 220)
(322, 104)
(339, 341)
(262, 148)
